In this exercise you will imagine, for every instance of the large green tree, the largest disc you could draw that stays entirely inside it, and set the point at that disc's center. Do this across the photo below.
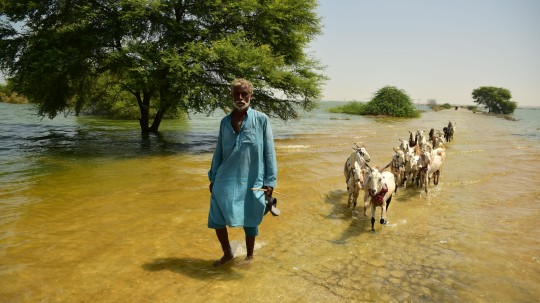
(171, 55)
(495, 99)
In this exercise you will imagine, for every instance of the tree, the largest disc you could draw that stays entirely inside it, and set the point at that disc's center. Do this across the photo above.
(391, 101)
(173, 55)
(495, 99)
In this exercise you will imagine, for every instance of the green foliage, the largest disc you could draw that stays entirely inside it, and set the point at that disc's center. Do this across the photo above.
(7, 94)
(391, 101)
(4, 89)
(351, 108)
(172, 56)
(388, 101)
(495, 99)
(440, 107)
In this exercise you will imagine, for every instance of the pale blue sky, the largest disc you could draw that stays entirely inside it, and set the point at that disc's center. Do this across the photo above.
(433, 49)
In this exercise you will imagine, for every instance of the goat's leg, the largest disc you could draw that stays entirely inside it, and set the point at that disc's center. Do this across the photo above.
(426, 181)
(405, 177)
(355, 196)
(388, 202)
(384, 207)
(373, 209)
(366, 198)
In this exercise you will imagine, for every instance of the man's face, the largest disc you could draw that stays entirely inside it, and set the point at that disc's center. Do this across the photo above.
(241, 97)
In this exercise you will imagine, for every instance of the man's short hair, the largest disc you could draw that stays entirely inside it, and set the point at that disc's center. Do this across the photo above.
(241, 82)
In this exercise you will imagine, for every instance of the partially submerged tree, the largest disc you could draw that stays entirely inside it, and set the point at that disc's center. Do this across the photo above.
(495, 99)
(387, 101)
(391, 101)
(178, 55)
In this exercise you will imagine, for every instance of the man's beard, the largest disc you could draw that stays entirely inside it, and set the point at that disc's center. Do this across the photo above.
(241, 105)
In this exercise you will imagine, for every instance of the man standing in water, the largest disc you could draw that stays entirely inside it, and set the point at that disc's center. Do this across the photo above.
(244, 158)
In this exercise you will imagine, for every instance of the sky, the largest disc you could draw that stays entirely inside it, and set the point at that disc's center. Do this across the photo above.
(432, 49)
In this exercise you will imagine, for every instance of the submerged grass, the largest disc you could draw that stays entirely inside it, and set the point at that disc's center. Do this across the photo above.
(351, 108)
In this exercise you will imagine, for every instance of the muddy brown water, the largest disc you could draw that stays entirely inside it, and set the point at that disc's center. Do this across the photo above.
(79, 225)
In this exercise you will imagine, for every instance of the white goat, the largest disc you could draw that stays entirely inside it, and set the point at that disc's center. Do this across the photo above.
(439, 151)
(379, 188)
(433, 171)
(421, 139)
(356, 161)
(411, 167)
(360, 156)
(354, 183)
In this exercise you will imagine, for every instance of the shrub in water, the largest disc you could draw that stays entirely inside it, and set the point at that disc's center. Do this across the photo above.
(391, 101)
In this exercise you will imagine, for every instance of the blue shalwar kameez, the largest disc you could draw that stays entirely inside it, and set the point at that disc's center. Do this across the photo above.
(241, 162)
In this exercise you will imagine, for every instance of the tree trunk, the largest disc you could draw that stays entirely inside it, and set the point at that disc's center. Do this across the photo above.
(163, 107)
(157, 120)
(144, 107)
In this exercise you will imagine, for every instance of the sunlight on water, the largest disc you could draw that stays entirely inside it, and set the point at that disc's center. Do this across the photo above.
(92, 211)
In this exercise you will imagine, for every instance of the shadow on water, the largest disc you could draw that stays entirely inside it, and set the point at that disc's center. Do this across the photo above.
(340, 211)
(194, 268)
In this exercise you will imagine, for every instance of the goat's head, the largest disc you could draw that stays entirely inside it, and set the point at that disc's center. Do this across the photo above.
(357, 173)
(363, 153)
(374, 182)
(399, 156)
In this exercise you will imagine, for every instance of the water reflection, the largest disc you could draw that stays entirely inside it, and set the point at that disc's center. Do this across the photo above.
(89, 140)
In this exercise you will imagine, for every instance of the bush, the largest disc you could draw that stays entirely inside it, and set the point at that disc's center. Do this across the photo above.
(388, 101)
(391, 101)
(351, 108)
(447, 106)
(12, 98)
(7, 95)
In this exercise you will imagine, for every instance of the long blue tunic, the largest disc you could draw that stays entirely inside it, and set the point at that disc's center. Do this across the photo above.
(241, 162)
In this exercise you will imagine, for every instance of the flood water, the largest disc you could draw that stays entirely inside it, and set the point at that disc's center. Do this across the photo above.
(90, 211)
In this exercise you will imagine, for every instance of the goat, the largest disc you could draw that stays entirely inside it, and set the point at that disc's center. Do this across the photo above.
(354, 183)
(355, 166)
(379, 189)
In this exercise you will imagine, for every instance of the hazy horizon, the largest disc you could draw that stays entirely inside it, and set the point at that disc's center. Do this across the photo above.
(440, 50)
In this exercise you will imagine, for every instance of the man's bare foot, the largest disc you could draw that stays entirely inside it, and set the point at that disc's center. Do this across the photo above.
(227, 257)
(247, 261)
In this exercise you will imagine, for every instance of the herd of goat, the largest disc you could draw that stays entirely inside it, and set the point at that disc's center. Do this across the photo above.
(416, 161)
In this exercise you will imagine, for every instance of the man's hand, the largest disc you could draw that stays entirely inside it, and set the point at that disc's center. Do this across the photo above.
(269, 190)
